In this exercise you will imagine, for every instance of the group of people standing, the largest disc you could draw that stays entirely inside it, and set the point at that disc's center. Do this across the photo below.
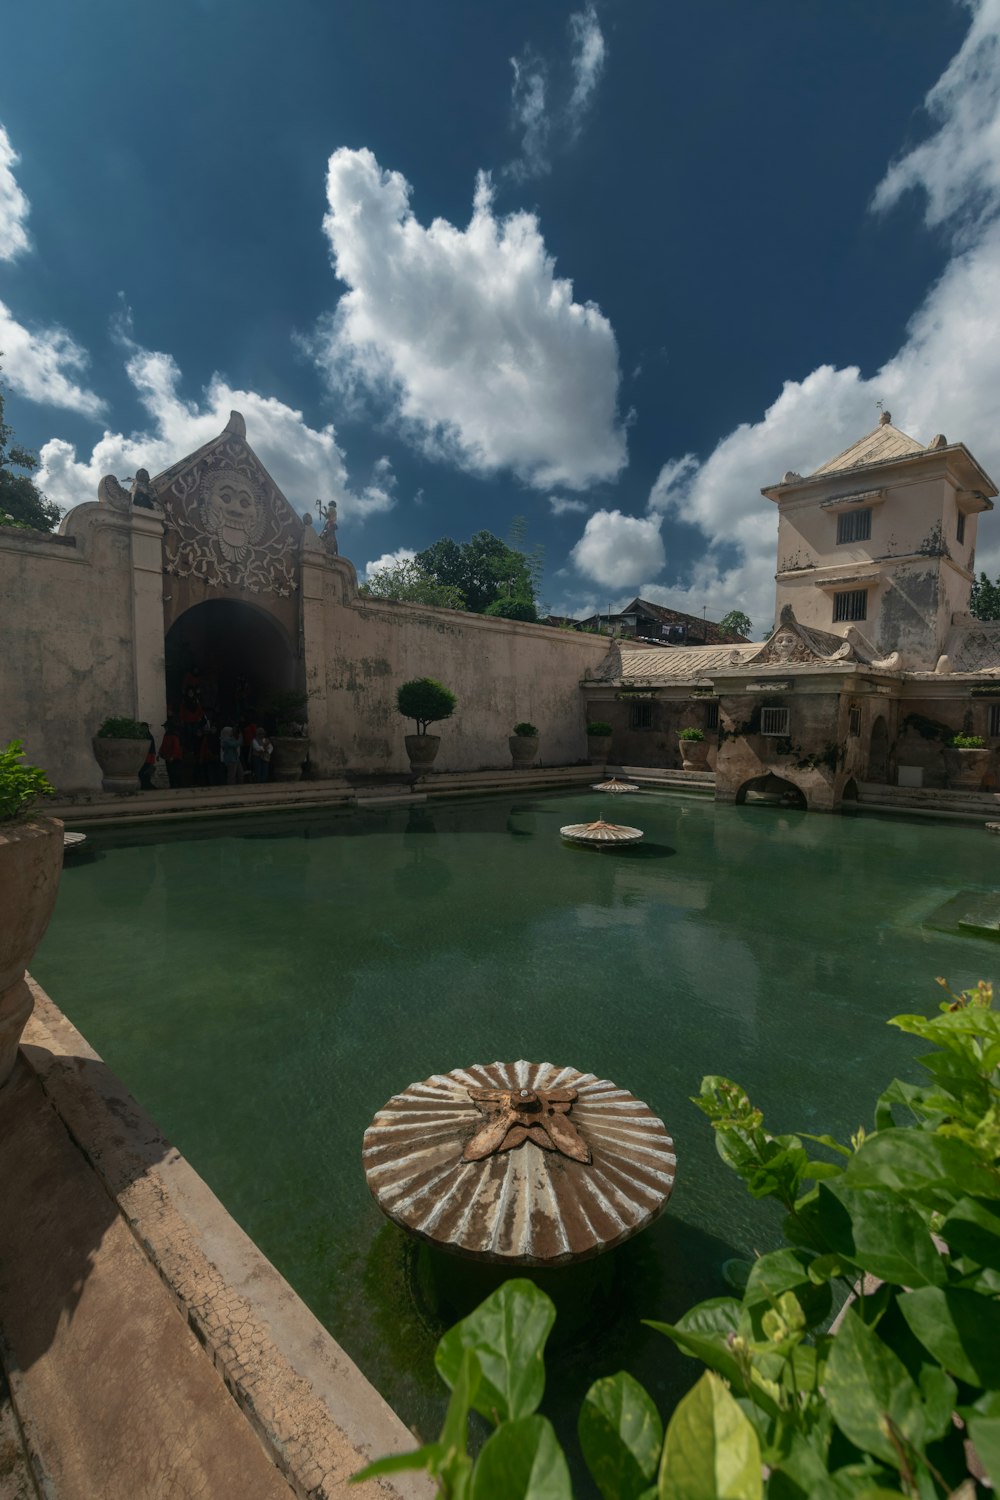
(196, 752)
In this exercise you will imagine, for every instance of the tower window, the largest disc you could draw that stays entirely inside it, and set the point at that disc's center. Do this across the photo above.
(854, 526)
(960, 527)
(852, 605)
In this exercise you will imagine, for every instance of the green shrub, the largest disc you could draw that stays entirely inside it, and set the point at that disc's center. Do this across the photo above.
(290, 710)
(891, 1403)
(19, 784)
(598, 728)
(122, 729)
(966, 742)
(526, 730)
(691, 734)
(426, 701)
(506, 608)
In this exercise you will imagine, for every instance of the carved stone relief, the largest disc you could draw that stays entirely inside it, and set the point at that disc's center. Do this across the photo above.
(229, 526)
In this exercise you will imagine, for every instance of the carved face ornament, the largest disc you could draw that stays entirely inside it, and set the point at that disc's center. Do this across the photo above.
(514, 1116)
(784, 645)
(232, 513)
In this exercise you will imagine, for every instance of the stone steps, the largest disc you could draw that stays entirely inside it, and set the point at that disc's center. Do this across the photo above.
(695, 783)
(101, 808)
(935, 802)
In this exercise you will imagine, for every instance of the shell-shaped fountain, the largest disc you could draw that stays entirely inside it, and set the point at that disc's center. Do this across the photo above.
(523, 1164)
(601, 833)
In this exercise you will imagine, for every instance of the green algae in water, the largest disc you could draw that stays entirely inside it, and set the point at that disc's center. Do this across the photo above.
(263, 986)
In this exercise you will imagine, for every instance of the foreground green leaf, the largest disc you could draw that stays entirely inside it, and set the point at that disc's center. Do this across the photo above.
(711, 1450)
(961, 1329)
(867, 1386)
(522, 1460)
(621, 1435)
(507, 1333)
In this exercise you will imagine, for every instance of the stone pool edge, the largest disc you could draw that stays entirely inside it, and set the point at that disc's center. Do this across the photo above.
(318, 1417)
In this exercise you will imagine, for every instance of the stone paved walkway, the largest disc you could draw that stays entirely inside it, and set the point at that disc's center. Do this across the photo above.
(115, 1394)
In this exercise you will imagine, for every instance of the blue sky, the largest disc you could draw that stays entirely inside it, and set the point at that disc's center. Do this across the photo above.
(611, 266)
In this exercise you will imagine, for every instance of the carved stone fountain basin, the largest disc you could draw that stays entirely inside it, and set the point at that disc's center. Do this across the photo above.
(522, 1164)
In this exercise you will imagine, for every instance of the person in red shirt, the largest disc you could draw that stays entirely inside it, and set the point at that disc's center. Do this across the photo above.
(171, 753)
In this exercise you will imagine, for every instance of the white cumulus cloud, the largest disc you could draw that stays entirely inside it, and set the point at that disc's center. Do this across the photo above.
(486, 357)
(13, 203)
(42, 364)
(618, 550)
(389, 560)
(944, 377)
(306, 463)
(559, 505)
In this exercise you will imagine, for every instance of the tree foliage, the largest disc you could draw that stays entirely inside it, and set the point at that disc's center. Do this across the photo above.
(737, 622)
(409, 582)
(485, 569)
(21, 501)
(984, 602)
(900, 1397)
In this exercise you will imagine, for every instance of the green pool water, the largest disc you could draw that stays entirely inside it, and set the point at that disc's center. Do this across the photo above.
(263, 986)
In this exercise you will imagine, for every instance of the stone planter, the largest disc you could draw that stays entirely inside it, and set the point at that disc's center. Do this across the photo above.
(120, 762)
(31, 857)
(965, 768)
(599, 749)
(694, 754)
(422, 750)
(290, 750)
(523, 750)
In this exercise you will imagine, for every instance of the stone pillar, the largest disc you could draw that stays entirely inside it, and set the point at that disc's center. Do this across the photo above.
(149, 683)
(315, 568)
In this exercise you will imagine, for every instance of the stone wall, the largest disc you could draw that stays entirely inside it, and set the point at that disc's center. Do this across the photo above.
(670, 711)
(358, 652)
(67, 660)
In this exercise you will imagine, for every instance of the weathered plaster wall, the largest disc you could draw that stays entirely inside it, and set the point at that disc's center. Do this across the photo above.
(917, 572)
(671, 711)
(811, 755)
(929, 714)
(359, 651)
(67, 627)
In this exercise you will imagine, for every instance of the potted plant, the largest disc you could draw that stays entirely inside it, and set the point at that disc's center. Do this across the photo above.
(426, 702)
(291, 735)
(523, 745)
(598, 742)
(694, 749)
(120, 749)
(965, 758)
(31, 854)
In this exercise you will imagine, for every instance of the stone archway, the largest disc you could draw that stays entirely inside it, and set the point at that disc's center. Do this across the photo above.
(878, 751)
(771, 791)
(243, 656)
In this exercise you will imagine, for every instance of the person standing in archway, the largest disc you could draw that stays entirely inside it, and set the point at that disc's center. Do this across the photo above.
(229, 754)
(171, 753)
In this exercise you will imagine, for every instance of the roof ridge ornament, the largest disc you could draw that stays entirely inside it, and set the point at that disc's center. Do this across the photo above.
(236, 426)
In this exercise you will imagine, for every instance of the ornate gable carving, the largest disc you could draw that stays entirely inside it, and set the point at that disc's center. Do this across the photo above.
(227, 523)
(792, 644)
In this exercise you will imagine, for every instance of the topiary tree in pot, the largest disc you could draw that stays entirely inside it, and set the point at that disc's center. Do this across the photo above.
(120, 748)
(31, 852)
(523, 745)
(426, 702)
(291, 735)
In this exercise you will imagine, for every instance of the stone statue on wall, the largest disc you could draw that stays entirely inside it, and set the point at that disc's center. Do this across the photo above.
(328, 536)
(143, 494)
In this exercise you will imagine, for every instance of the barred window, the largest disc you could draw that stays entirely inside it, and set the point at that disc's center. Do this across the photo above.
(711, 716)
(852, 605)
(854, 526)
(855, 724)
(774, 721)
(640, 716)
(995, 718)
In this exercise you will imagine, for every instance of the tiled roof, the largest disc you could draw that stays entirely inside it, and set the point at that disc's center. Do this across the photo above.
(627, 663)
(877, 447)
(974, 647)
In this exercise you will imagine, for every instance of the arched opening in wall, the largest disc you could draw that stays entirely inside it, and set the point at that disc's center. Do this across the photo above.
(770, 791)
(850, 792)
(236, 657)
(878, 751)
